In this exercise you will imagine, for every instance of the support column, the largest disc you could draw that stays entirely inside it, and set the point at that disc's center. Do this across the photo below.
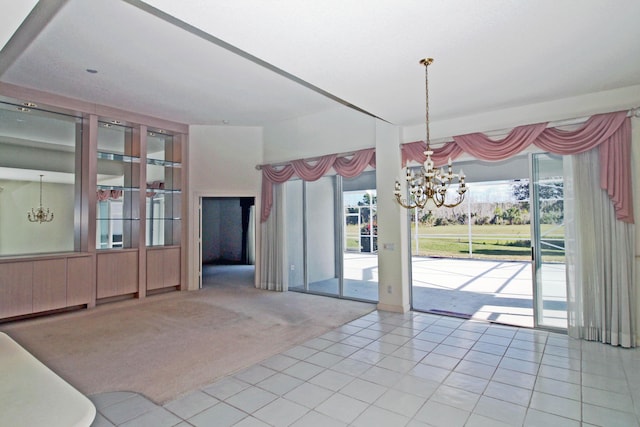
(393, 238)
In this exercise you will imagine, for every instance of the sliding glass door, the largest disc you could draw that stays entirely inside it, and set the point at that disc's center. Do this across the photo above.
(322, 257)
(547, 246)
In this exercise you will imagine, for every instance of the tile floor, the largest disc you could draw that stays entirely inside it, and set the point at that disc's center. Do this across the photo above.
(412, 369)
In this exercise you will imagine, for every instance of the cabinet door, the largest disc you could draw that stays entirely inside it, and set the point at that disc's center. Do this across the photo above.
(79, 281)
(49, 284)
(117, 274)
(171, 267)
(155, 271)
(16, 289)
(163, 268)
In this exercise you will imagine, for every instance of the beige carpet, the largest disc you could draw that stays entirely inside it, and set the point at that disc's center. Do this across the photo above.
(167, 345)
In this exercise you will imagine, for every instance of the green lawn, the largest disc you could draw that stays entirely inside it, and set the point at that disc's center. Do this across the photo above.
(508, 242)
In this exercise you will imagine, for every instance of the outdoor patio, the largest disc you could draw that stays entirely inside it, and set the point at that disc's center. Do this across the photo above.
(497, 291)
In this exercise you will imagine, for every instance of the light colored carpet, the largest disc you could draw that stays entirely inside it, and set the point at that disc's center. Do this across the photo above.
(167, 345)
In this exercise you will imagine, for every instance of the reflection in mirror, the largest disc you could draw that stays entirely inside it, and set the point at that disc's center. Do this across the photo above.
(118, 187)
(35, 142)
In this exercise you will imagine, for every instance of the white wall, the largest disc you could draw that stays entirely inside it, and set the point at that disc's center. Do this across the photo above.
(334, 131)
(222, 162)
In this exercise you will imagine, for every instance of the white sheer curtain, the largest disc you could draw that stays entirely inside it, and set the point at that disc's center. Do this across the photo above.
(273, 248)
(600, 262)
(251, 237)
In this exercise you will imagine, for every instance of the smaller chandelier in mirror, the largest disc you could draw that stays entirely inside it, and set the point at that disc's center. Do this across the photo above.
(429, 183)
(40, 214)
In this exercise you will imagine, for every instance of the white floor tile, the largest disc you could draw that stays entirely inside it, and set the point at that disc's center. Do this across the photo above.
(309, 395)
(316, 419)
(343, 408)
(326, 360)
(440, 415)
(365, 391)
(607, 399)
(374, 416)
(500, 410)
(304, 370)
(251, 399)
(519, 365)
(555, 405)
(381, 376)
(477, 420)
(605, 417)
(249, 422)
(537, 418)
(558, 388)
(331, 380)
(279, 362)
(220, 415)
(417, 386)
(300, 352)
(455, 397)
(475, 369)
(440, 360)
(280, 413)
(400, 402)
(466, 382)
(254, 374)
(560, 374)
(450, 350)
(351, 366)
(428, 372)
(508, 393)
(191, 404)
(158, 417)
(396, 364)
(279, 383)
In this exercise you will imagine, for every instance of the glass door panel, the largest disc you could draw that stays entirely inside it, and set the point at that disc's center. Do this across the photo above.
(550, 290)
(322, 263)
(295, 234)
(360, 238)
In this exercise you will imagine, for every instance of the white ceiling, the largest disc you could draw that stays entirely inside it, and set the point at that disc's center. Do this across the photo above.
(253, 62)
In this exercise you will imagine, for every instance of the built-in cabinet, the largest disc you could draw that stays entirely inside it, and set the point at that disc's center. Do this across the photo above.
(129, 236)
(40, 285)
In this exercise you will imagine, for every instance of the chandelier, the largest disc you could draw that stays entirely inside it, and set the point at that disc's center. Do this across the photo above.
(40, 215)
(429, 183)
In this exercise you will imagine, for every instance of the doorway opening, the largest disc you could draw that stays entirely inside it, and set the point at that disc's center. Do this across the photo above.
(227, 240)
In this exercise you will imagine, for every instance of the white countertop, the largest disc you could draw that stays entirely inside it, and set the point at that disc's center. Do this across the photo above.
(33, 395)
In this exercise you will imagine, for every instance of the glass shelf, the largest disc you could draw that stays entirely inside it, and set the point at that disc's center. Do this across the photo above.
(165, 163)
(117, 187)
(102, 155)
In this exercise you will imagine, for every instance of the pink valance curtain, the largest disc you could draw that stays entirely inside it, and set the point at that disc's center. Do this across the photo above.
(108, 194)
(312, 170)
(611, 133)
